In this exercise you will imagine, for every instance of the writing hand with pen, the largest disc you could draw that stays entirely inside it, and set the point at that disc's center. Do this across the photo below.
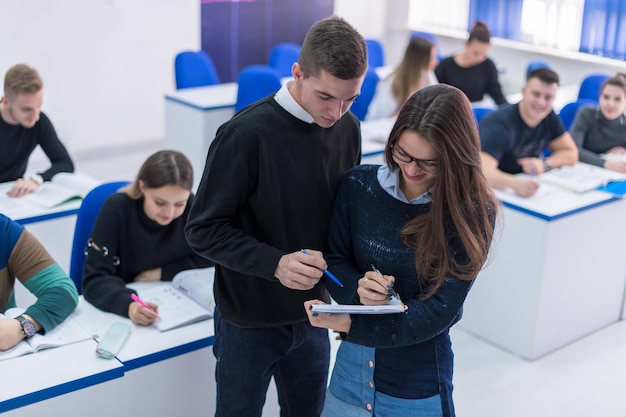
(142, 312)
(301, 270)
(376, 288)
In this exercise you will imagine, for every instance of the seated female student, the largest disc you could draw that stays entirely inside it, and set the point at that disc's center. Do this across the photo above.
(24, 258)
(599, 130)
(471, 71)
(138, 236)
(414, 72)
(425, 220)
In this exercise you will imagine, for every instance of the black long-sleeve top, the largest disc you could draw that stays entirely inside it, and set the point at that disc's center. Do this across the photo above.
(134, 243)
(474, 81)
(267, 190)
(17, 143)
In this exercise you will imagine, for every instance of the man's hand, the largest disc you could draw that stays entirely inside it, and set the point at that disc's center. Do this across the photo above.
(525, 187)
(22, 187)
(300, 271)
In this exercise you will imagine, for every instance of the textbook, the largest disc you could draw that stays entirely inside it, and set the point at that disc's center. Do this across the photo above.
(580, 177)
(186, 300)
(63, 187)
(392, 307)
(67, 332)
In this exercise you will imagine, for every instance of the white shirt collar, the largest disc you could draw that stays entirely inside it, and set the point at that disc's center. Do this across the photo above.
(284, 98)
(390, 182)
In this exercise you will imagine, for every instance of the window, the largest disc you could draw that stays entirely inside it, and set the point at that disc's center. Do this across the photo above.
(552, 23)
(448, 14)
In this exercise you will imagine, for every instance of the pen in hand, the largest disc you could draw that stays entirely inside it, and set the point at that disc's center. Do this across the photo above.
(326, 271)
(390, 290)
(142, 303)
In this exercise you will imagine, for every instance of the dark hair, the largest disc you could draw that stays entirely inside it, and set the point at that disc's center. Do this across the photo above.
(545, 75)
(618, 80)
(480, 32)
(333, 45)
(408, 75)
(161, 169)
(463, 204)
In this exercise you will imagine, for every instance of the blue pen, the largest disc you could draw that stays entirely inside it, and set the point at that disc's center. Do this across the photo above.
(532, 172)
(327, 272)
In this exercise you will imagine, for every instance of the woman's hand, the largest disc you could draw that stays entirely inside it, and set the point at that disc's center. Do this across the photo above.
(374, 288)
(336, 322)
(141, 315)
(149, 275)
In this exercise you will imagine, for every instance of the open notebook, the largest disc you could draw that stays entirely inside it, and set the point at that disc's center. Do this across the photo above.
(67, 332)
(580, 177)
(186, 300)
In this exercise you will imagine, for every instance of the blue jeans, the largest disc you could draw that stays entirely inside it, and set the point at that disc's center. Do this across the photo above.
(297, 355)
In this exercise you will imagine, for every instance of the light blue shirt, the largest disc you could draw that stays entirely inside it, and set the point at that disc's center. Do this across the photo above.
(390, 182)
(284, 98)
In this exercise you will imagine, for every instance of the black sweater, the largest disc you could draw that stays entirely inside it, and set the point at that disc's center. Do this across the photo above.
(135, 243)
(267, 190)
(18, 142)
(474, 81)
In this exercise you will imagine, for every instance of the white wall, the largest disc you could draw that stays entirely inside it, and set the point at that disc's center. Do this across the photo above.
(106, 64)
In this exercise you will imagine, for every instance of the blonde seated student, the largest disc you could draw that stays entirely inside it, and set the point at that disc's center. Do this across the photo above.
(25, 259)
(138, 236)
(414, 72)
(600, 131)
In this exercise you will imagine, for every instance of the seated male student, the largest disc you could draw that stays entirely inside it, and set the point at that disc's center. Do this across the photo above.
(513, 138)
(23, 126)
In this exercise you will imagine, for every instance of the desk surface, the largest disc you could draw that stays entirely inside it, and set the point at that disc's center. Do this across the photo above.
(51, 373)
(24, 212)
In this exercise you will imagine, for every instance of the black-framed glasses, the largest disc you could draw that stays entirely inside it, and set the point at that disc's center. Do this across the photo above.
(426, 165)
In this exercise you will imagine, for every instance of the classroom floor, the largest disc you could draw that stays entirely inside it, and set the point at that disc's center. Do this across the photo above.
(585, 378)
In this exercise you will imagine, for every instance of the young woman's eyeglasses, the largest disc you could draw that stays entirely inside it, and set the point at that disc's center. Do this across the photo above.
(426, 165)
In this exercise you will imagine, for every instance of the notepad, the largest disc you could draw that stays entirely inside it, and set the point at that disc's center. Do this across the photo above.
(67, 332)
(392, 307)
(63, 188)
(186, 300)
(580, 177)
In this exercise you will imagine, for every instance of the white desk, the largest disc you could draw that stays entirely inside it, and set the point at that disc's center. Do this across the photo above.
(66, 381)
(556, 272)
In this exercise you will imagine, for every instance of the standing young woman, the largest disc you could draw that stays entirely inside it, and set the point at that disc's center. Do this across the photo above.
(425, 220)
(139, 236)
(471, 70)
(414, 72)
(601, 129)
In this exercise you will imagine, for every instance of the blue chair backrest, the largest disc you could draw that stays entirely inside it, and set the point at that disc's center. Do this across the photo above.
(480, 112)
(282, 57)
(535, 65)
(590, 87)
(85, 220)
(567, 114)
(194, 69)
(254, 83)
(375, 53)
(368, 89)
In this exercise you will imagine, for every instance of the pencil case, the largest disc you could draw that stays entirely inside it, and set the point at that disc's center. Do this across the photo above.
(113, 340)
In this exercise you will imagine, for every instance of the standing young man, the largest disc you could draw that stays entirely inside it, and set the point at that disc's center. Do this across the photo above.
(23, 126)
(265, 195)
(513, 138)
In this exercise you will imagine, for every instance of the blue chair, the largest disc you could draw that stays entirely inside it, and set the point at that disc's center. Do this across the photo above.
(375, 53)
(590, 87)
(194, 69)
(368, 89)
(535, 65)
(480, 112)
(568, 112)
(85, 220)
(254, 83)
(282, 57)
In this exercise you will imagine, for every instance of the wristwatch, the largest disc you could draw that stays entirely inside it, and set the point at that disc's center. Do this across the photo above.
(28, 327)
(546, 165)
(37, 178)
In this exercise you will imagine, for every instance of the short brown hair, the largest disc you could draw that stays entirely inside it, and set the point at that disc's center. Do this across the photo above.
(333, 45)
(545, 75)
(21, 78)
(161, 169)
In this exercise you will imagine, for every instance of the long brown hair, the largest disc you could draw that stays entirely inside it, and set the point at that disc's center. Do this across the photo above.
(407, 77)
(160, 169)
(462, 203)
